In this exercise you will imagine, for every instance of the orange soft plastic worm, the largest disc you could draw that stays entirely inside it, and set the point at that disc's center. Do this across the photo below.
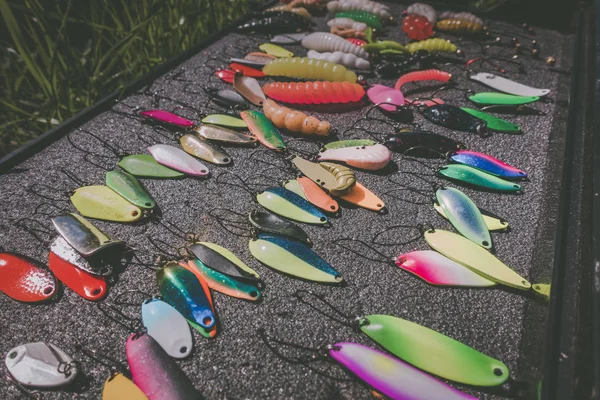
(318, 92)
(294, 121)
(425, 75)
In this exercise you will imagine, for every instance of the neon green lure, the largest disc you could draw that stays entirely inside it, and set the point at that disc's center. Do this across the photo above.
(503, 99)
(493, 123)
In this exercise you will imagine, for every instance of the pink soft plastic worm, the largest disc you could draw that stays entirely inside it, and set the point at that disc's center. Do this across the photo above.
(425, 75)
(318, 92)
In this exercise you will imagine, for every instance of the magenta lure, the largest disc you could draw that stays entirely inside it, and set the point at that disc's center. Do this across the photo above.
(390, 376)
(436, 269)
(167, 117)
(155, 373)
(487, 164)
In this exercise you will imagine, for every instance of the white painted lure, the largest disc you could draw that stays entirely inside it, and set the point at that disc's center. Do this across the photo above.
(40, 365)
(338, 57)
(168, 327)
(508, 86)
(177, 159)
(370, 158)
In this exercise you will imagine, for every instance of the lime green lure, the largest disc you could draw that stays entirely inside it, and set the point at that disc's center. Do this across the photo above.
(501, 99)
(434, 352)
(493, 123)
(145, 166)
(128, 187)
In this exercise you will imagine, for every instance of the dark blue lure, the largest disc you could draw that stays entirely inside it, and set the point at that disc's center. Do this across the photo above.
(288, 204)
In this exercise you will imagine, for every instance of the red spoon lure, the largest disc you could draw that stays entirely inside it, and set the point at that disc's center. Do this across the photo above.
(23, 281)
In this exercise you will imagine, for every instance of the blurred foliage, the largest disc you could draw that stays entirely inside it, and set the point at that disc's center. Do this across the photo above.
(58, 57)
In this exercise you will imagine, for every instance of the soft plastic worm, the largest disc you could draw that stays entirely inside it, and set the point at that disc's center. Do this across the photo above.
(345, 59)
(295, 121)
(305, 3)
(346, 23)
(425, 75)
(296, 10)
(314, 92)
(432, 45)
(309, 68)
(327, 42)
(459, 25)
(423, 9)
(368, 18)
(348, 33)
(464, 15)
(373, 7)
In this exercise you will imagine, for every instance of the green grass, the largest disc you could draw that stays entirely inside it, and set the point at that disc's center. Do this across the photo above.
(58, 57)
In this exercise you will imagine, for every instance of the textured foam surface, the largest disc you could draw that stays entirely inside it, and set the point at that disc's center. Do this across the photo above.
(236, 365)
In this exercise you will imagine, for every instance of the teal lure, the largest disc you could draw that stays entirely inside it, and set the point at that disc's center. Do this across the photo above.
(225, 283)
(464, 215)
(182, 289)
(477, 178)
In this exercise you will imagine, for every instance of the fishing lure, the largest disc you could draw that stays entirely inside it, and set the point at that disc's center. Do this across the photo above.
(249, 88)
(266, 222)
(314, 92)
(386, 98)
(184, 291)
(356, 41)
(363, 197)
(289, 38)
(246, 70)
(226, 75)
(487, 164)
(349, 33)
(493, 98)
(340, 144)
(390, 376)
(464, 215)
(225, 284)
(474, 177)
(422, 9)
(225, 120)
(368, 18)
(178, 159)
(493, 123)
(459, 26)
(420, 143)
(260, 58)
(289, 205)
(426, 75)
(128, 187)
(492, 221)
(464, 16)
(275, 22)
(223, 135)
(296, 10)
(41, 365)
(308, 68)
(312, 193)
(295, 121)
(22, 280)
(346, 23)
(167, 117)
(263, 129)
(372, 158)
(154, 372)
(474, 257)
(95, 266)
(424, 348)
(203, 150)
(508, 86)
(213, 259)
(417, 27)
(145, 166)
(313, 4)
(337, 57)
(380, 10)
(382, 45)
(276, 51)
(117, 387)
(437, 269)
(324, 42)
(231, 257)
(292, 258)
(101, 202)
(86, 285)
(454, 118)
(84, 237)
(335, 178)
(432, 45)
(227, 97)
(168, 327)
